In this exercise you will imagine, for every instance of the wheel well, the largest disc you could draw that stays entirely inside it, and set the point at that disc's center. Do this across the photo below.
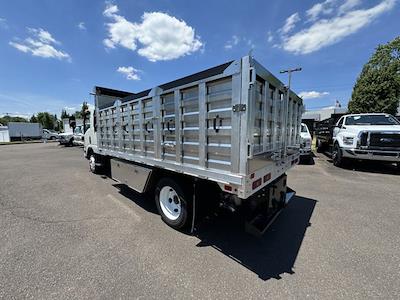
(187, 180)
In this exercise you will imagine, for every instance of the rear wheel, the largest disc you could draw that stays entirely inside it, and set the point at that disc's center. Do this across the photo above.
(320, 146)
(173, 203)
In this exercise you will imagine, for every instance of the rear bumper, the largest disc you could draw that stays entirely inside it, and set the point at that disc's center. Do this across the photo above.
(390, 156)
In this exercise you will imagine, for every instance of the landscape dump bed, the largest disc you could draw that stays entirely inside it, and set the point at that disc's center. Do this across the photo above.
(232, 125)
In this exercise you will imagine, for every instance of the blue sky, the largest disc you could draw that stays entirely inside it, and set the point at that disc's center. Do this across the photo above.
(52, 53)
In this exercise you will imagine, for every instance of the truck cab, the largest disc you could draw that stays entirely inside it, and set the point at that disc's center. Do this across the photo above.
(89, 138)
(372, 136)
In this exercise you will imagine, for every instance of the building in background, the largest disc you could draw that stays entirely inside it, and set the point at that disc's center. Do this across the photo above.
(67, 127)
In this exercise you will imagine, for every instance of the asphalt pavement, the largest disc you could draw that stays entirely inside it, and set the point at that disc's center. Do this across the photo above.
(66, 233)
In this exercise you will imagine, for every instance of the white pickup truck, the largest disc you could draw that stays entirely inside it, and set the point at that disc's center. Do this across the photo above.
(305, 143)
(72, 138)
(372, 136)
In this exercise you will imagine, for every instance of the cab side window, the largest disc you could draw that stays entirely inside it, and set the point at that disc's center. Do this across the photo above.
(340, 123)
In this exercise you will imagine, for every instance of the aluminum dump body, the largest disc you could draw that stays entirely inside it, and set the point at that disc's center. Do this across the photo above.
(230, 124)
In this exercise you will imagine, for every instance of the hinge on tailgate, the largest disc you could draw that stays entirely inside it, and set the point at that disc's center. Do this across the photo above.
(239, 107)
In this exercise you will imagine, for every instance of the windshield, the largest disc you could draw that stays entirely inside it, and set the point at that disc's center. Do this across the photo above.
(78, 129)
(304, 128)
(371, 120)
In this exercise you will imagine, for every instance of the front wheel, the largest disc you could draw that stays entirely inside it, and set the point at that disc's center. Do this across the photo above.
(93, 164)
(337, 156)
(173, 203)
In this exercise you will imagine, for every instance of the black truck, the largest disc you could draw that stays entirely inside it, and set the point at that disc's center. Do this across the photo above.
(324, 132)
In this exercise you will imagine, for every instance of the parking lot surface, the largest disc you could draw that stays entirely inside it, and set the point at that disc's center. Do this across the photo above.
(66, 233)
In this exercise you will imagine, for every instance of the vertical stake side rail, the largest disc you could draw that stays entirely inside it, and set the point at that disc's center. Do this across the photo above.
(118, 123)
(202, 124)
(266, 118)
(244, 119)
(295, 120)
(282, 102)
(275, 117)
(178, 126)
(290, 118)
(141, 123)
(157, 124)
(285, 116)
(97, 126)
(111, 128)
(129, 115)
(235, 123)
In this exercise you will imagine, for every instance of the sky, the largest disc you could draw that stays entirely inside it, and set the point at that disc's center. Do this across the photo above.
(52, 53)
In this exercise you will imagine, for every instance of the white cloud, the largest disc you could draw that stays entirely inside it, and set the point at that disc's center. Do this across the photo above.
(325, 32)
(110, 10)
(290, 23)
(3, 23)
(232, 42)
(323, 8)
(236, 40)
(270, 36)
(70, 109)
(41, 43)
(129, 72)
(161, 36)
(348, 5)
(313, 94)
(82, 26)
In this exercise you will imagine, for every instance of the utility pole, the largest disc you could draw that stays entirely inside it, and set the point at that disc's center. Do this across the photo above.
(285, 124)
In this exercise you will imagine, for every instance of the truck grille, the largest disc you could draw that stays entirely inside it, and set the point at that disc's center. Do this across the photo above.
(380, 140)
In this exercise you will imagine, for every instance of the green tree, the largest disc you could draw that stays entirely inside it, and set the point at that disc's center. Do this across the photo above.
(64, 114)
(47, 120)
(5, 119)
(33, 119)
(378, 87)
(84, 108)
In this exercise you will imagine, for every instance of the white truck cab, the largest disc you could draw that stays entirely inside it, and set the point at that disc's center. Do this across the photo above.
(90, 140)
(305, 142)
(370, 136)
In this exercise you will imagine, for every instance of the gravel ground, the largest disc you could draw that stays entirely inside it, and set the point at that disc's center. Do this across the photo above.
(66, 233)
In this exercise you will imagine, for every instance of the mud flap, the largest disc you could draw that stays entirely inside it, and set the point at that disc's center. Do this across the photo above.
(268, 205)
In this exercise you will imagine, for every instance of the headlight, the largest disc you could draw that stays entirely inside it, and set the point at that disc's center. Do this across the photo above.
(348, 140)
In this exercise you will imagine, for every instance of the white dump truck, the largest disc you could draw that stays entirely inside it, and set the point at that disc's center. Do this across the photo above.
(226, 136)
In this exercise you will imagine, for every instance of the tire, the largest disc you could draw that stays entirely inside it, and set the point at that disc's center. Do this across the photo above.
(320, 147)
(173, 203)
(52, 138)
(92, 164)
(337, 156)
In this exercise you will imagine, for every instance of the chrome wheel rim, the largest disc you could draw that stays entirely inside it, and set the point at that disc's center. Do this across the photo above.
(170, 203)
(92, 163)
